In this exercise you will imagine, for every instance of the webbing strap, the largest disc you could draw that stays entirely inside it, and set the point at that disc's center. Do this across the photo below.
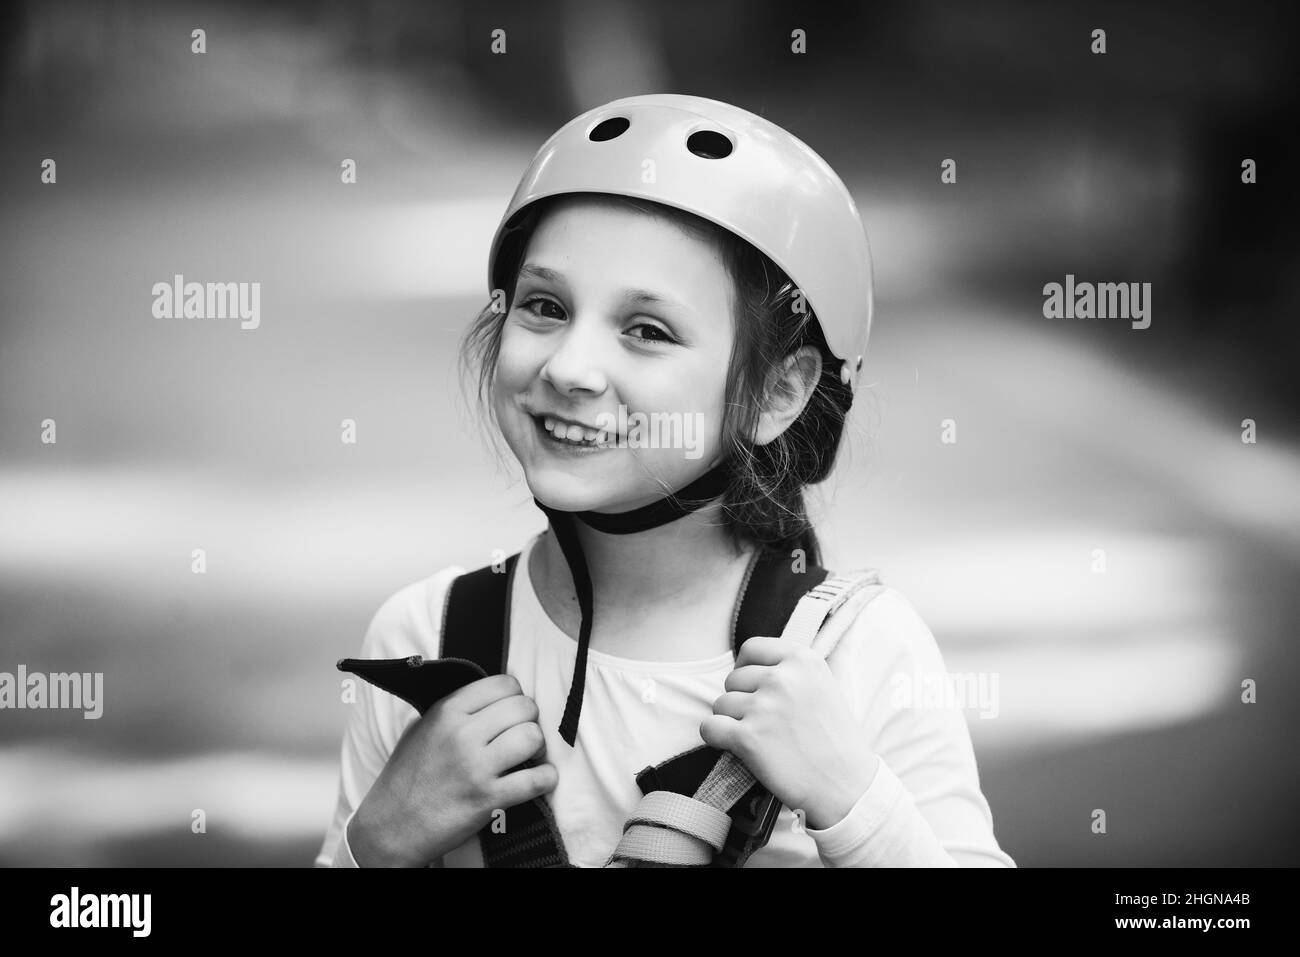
(730, 779)
(674, 830)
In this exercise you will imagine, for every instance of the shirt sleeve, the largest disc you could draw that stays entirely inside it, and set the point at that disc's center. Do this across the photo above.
(376, 720)
(924, 807)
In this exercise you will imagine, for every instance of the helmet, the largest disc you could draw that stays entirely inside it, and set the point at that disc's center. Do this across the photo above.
(731, 167)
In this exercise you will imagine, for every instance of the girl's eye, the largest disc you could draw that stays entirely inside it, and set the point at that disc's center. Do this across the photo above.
(650, 332)
(655, 334)
(540, 301)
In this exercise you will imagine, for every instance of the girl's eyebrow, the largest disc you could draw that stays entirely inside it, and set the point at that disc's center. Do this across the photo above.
(534, 271)
(634, 296)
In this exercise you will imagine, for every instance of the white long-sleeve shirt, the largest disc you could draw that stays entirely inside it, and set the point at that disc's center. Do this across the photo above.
(924, 806)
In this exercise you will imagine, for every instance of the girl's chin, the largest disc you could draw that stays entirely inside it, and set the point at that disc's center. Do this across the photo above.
(567, 493)
(564, 492)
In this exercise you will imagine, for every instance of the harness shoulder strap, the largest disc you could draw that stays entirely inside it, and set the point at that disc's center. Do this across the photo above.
(775, 600)
(769, 596)
(476, 628)
(476, 617)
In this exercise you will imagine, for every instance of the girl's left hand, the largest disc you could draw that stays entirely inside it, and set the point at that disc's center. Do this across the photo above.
(787, 719)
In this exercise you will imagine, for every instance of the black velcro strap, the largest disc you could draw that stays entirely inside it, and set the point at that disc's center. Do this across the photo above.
(475, 641)
(419, 683)
(474, 629)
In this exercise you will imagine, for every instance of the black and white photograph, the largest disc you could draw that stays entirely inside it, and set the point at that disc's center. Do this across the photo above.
(628, 434)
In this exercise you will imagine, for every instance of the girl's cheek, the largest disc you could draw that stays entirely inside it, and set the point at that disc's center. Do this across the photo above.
(515, 363)
(505, 375)
(711, 427)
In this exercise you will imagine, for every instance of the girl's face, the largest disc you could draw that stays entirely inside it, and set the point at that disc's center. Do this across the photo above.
(620, 320)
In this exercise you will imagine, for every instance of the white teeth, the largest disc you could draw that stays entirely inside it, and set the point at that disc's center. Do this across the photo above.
(576, 434)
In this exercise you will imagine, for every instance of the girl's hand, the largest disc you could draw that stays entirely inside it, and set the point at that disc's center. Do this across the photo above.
(448, 774)
(787, 719)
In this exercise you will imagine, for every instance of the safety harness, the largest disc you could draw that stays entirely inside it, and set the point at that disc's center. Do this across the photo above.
(700, 808)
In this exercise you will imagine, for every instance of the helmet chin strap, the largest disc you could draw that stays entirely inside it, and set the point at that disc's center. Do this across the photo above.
(680, 503)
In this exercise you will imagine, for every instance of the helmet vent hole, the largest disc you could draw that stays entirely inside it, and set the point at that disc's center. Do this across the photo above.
(608, 129)
(709, 144)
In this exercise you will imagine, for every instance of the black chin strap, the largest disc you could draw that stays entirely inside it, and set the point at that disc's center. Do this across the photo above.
(694, 496)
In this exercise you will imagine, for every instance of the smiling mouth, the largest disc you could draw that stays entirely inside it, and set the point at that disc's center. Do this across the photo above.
(573, 436)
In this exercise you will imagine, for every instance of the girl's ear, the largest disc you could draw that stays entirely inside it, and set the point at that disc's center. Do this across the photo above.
(788, 389)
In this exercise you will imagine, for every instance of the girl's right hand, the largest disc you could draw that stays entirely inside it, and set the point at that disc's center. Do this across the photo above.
(448, 774)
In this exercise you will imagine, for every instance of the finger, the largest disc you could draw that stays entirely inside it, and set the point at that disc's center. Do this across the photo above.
(733, 704)
(486, 724)
(526, 784)
(765, 651)
(515, 745)
(748, 678)
(721, 731)
(477, 695)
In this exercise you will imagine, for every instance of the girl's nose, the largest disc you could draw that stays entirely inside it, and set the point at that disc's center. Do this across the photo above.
(575, 365)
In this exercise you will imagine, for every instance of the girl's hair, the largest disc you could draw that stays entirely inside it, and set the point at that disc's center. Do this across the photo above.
(764, 501)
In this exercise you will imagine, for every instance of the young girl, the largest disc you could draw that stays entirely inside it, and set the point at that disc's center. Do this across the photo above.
(677, 261)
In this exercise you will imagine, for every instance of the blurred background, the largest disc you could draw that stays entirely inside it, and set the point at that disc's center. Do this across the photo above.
(1119, 690)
